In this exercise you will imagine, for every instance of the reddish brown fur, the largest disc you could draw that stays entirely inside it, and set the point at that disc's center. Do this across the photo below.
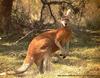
(46, 40)
(41, 48)
(45, 44)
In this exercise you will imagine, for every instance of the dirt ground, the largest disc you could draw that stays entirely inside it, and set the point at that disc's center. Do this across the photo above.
(82, 62)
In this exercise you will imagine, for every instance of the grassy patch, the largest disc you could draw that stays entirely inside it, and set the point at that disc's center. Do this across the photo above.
(83, 62)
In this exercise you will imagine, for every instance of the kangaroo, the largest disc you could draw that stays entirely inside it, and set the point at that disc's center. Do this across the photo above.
(41, 48)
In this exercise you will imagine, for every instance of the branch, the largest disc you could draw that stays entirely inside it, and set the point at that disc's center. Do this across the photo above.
(53, 2)
(51, 13)
(45, 2)
(42, 12)
(57, 2)
(23, 37)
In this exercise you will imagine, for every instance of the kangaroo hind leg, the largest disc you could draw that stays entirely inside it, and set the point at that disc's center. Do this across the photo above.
(44, 64)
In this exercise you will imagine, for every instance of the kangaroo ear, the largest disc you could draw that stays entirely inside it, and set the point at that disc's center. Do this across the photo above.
(65, 19)
(63, 22)
(68, 12)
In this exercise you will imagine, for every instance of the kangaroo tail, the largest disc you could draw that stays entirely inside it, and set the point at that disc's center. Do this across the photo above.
(27, 63)
(20, 70)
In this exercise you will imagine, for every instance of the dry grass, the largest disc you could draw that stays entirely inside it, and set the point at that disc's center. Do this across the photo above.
(81, 63)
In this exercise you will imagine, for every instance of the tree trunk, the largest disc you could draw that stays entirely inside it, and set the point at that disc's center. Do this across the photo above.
(5, 15)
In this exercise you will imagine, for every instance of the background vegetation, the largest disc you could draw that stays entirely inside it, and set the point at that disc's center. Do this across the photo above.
(22, 20)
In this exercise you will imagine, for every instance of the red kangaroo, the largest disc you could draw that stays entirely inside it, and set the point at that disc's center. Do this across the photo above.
(42, 47)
